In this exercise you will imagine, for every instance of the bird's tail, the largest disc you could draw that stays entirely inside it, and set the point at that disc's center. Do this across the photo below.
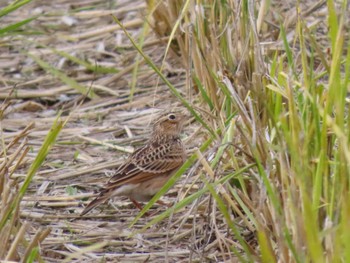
(97, 201)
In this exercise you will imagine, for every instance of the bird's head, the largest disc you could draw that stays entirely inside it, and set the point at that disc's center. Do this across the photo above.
(169, 124)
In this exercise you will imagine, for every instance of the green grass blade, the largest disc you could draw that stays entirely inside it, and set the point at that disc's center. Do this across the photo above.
(223, 209)
(15, 26)
(39, 159)
(12, 7)
(203, 93)
(194, 196)
(94, 68)
(63, 77)
(288, 51)
(267, 255)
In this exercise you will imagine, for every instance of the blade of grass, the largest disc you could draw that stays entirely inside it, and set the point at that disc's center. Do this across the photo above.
(203, 93)
(175, 27)
(223, 209)
(39, 159)
(17, 25)
(193, 197)
(94, 68)
(19, 236)
(288, 51)
(267, 255)
(13, 6)
(63, 77)
(166, 81)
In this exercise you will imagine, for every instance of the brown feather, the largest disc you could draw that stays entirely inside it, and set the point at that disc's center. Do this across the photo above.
(148, 168)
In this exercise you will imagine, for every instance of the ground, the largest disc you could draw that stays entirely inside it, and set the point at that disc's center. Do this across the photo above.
(74, 64)
(99, 133)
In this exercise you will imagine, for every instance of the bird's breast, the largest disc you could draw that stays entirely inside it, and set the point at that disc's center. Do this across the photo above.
(146, 190)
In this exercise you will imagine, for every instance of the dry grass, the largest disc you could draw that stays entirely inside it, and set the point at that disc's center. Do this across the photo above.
(282, 70)
(98, 135)
(75, 62)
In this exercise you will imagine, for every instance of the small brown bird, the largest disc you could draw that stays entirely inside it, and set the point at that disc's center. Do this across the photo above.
(147, 169)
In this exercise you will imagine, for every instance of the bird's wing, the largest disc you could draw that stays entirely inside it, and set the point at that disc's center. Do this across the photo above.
(147, 162)
(142, 165)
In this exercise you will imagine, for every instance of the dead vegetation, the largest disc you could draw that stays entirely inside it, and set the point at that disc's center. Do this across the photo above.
(98, 135)
(73, 70)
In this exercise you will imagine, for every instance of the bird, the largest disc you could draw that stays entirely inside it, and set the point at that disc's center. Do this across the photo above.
(148, 168)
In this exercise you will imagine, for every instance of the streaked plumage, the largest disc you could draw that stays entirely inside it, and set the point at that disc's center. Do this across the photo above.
(148, 168)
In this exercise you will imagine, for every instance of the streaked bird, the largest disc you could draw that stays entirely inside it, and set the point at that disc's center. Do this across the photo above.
(147, 169)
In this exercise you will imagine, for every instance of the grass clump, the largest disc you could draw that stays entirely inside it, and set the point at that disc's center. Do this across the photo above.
(14, 244)
(290, 119)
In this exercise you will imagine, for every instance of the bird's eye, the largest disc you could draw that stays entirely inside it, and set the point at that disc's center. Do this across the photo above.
(172, 117)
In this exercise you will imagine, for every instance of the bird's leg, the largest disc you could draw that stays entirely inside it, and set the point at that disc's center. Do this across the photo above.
(137, 204)
(140, 207)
